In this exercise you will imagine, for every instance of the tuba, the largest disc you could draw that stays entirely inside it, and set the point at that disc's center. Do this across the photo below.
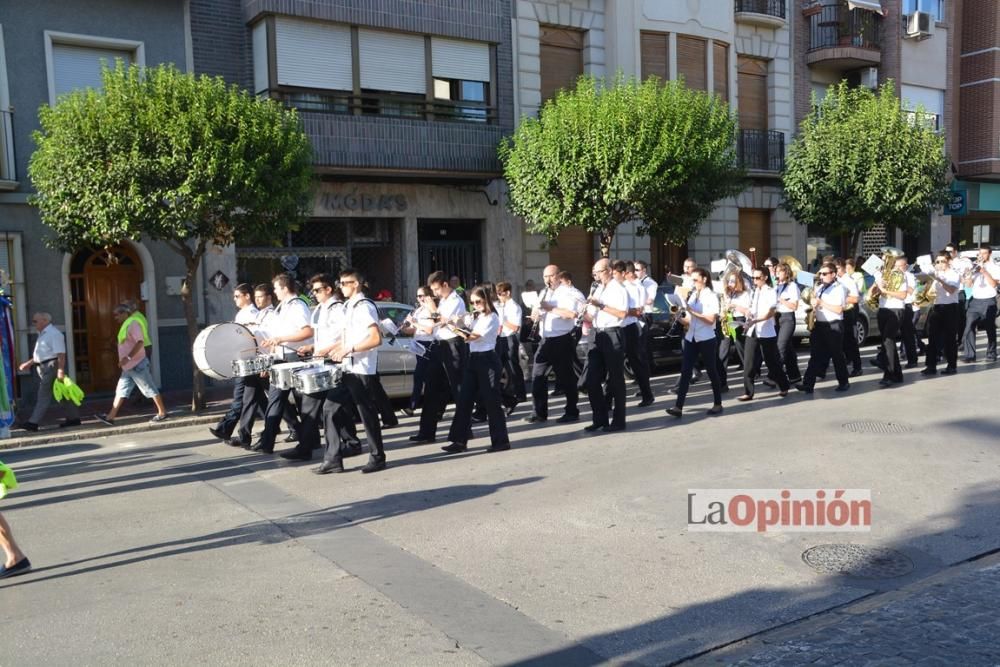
(892, 278)
(793, 264)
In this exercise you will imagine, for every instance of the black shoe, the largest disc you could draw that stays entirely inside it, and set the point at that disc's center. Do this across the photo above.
(534, 419)
(912, 364)
(217, 433)
(408, 412)
(991, 359)
(22, 566)
(234, 442)
(637, 394)
(885, 382)
(498, 448)
(673, 390)
(568, 419)
(646, 402)
(801, 387)
(842, 387)
(297, 455)
(951, 370)
(259, 447)
(770, 384)
(66, 423)
(714, 410)
(929, 371)
(390, 424)
(327, 467)
(675, 412)
(856, 373)
(612, 429)
(593, 427)
(373, 466)
(421, 439)
(455, 448)
(478, 419)
(354, 450)
(557, 392)
(821, 377)
(29, 426)
(509, 410)
(969, 360)
(292, 437)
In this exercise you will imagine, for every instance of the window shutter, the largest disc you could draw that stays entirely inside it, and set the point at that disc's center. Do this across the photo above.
(692, 61)
(462, 60)
(755, 230)
(392, 61)
(655, 54)
(310, 54)
(561, 59)
(76, 67)
(752, 93)
(720, 67)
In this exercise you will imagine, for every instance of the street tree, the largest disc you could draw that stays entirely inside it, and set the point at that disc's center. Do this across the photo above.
(607, 153)
(860, 160)
(161, 155)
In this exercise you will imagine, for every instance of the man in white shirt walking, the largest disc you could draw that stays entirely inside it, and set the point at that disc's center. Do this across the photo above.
(49, 362)
(982, 306)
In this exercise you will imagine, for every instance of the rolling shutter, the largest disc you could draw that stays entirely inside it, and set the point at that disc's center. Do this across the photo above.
(561, 59)
(655, 54)
(692, 61)
(720, 70)
(752, 93)
(392, 61)
(75, 67)
(310, 54)
(458, 59)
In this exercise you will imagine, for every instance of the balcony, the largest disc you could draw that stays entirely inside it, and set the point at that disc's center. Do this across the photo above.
(393, 105)
(764, 13)
(844, 38)
(8, 172)
(761, 150)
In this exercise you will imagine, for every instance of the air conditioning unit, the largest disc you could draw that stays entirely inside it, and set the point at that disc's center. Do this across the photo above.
(868, 77)
(919, 25)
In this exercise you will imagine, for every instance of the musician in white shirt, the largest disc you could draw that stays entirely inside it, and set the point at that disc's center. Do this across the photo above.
(890, 316)
(246, 315)
(760, 332)
(632, 325)
(907, 328)
(787, 296)
(701, 316)
(826, 339)
(943, 320)
(481, 379)
(556, 314)
(508, 346)
(420, 325)
(851, 349)
(981, 309)
(255, 386)
(608, 307)
(651, 289)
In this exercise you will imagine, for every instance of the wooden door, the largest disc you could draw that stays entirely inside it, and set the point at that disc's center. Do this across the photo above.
(755, 232)
(109, 278)
(574, 252)
(752, 92)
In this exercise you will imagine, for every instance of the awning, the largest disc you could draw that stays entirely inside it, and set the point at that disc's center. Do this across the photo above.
(870, 5)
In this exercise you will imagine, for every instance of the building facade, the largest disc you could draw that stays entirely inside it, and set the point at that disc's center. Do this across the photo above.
(48, 48)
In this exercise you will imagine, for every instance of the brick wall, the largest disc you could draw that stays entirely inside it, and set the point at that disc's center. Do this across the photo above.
(220, 40)
(979, 96)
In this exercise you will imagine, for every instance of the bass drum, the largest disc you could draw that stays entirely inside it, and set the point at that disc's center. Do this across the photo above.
(218, 346)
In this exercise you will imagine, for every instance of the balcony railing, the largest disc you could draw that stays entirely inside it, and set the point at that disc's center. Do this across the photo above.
(397, 105)
(835, 25)
(775, 8)
(8, 172)
(762, 150)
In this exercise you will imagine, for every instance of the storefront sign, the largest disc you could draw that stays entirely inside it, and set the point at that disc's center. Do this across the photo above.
(957, 205)
(361, 201)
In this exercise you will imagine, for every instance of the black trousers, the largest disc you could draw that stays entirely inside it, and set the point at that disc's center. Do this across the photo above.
(826, 343)
(726, 346)
(786, 346)
(232, 417)
(981, 313)
(382, 402)
(889, 325)
(554, 354)
(769, 348)
(277, 403)
(419, 380)
(908, 334)
(444, 379)
(509, 351)
(310, 414)
(708, 352)
(851, 350)
(637, 359)
(356, 390)
(480, 383)
(943, 325)
(254, 401)
(606, 358)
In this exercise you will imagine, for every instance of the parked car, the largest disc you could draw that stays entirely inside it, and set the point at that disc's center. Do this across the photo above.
(396, 359)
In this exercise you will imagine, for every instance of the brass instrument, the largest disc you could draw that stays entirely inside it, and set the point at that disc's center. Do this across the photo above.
(927, 295)
(892, 278)
(793, 264)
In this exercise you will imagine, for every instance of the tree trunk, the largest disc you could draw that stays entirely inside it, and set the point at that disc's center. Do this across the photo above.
(187, 297)
(855, 248)
(607, 237)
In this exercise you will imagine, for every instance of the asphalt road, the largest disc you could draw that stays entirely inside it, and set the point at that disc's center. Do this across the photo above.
(167, 547)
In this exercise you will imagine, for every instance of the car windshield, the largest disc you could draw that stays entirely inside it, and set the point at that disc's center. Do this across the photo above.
(396, 312)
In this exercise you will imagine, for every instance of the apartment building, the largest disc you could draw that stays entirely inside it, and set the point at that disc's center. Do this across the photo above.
(405, 104)
(48, 48)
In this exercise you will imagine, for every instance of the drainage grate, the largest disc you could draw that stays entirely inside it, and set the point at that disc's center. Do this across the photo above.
(855, 560)
(878, 428)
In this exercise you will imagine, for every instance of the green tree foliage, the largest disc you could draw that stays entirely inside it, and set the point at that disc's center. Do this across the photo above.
(601, 155)
(165, 156)
(859, 160)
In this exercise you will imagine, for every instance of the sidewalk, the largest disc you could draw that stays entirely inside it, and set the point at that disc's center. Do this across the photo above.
(134, 417)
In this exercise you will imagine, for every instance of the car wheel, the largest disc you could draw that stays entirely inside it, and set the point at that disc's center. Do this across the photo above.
(861, 330)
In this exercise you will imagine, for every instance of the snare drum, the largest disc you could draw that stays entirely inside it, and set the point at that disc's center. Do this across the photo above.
(281, 374)
(217, 346)
(246, 367)
(316, 380)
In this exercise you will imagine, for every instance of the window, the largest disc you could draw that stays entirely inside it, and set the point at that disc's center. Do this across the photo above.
(926, 105)
(654, 49)
(933, 7)
(462, 91)
(561, 52)
(74, 62)
(461, 74)
(692, 61)
(720, 70)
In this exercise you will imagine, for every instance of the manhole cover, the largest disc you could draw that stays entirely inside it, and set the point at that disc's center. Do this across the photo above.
(855, 560)
(880, 428)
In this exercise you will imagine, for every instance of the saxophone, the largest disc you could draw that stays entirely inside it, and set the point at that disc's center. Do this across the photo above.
(892, 278)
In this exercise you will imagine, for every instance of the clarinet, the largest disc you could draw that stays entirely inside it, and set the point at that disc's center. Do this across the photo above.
(579, 318)
(538, 323)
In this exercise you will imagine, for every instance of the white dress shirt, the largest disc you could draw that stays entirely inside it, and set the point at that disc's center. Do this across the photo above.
(421, 318)
(788, 291)
(762, 301)
(982, 289)
(613, 294)
(650, 287)
(510, 312)
(288, 319)
(851, 287)
(50, 344)
(910, 281)
(562, 297)
(487, 327)
(636, 299)
(247, 315)
(941, 295)
(449, 307)
(704, 302)
(359, 315)
(328, 323)
(891, 301)
(833, 294)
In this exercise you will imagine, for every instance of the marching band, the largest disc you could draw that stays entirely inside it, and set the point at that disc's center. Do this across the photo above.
(319, 364)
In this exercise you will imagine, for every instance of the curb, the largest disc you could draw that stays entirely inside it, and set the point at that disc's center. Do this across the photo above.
(52, 436)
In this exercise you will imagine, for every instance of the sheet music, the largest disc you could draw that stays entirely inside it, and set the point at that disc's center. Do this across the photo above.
(873, 266)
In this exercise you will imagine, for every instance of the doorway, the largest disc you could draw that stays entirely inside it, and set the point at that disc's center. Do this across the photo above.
(452, 246)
